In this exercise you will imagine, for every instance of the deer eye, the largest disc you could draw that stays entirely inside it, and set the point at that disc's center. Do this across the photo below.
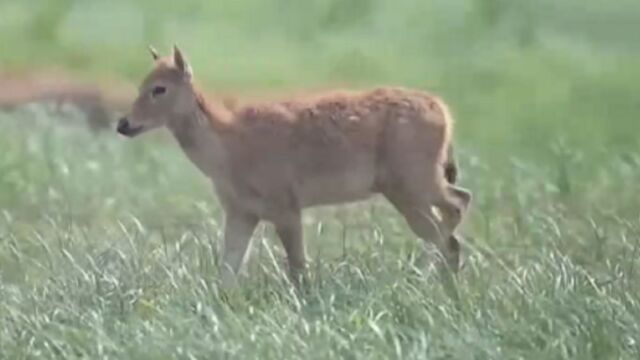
(158, 90)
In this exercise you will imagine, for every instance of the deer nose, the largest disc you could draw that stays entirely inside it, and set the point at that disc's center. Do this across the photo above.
(123, 126)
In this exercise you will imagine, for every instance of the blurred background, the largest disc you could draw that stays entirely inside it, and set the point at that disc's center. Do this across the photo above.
(520, 75)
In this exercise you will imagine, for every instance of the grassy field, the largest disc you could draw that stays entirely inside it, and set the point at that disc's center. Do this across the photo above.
(108, 247)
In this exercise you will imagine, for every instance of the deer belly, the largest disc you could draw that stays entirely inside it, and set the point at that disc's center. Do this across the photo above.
(325, 188)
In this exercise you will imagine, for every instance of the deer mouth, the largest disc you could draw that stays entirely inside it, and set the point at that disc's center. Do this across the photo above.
(125, 128)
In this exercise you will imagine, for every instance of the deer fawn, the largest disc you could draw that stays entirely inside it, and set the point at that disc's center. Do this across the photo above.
(269, 161)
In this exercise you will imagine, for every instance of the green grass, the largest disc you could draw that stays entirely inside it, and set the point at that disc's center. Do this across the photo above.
(109, 247)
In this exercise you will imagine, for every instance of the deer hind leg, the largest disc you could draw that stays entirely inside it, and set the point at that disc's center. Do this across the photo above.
(423, 222)
(451, 175)
(417, 209)
(451, 166)
(417, 180)
(464, 197)
(453, 204)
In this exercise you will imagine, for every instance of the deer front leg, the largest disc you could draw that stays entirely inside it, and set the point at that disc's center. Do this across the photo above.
(289, 230)
(238, 229)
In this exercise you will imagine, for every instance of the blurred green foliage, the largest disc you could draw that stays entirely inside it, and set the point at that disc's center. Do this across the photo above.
(520, 75)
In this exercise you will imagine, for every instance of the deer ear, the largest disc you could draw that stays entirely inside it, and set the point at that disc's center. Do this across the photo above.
(181, 62)
(154, 53)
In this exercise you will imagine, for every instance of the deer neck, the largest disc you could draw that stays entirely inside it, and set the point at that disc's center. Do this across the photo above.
(199, 136)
